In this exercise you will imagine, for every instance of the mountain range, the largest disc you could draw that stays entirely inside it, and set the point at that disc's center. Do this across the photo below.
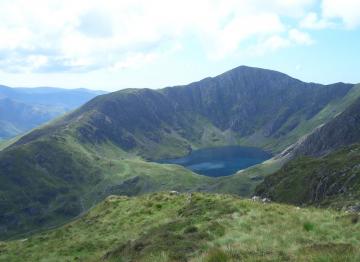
(107, 146)
(22, 109)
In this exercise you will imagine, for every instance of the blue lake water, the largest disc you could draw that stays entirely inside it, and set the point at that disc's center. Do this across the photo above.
(220, 161)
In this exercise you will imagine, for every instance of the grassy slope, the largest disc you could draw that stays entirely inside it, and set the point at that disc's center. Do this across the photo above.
(332, 180)
(81, 176)
(201, 227)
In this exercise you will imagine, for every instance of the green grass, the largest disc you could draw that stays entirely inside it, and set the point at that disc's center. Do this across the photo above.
(81, 176)
(196, 227)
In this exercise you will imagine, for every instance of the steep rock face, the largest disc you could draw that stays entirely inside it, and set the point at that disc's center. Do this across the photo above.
(342, 131)
(329, 174)
(226, 109)
(246, 100)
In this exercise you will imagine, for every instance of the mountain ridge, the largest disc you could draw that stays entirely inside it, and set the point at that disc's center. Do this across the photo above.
(107, 143)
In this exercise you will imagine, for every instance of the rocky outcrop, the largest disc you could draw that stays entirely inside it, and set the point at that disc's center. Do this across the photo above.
(342, 131)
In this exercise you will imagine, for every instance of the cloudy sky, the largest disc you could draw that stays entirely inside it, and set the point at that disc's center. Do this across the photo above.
(117, 44)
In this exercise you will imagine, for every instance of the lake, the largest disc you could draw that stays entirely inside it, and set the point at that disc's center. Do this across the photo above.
(220, 161)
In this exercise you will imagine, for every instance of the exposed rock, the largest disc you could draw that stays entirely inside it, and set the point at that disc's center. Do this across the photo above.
(354, 209)
(266, 200)
(256, 198)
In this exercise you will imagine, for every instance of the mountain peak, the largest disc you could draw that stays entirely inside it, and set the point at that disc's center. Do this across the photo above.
(256, 72)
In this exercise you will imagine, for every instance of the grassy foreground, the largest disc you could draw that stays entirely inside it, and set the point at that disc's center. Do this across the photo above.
(194, 227)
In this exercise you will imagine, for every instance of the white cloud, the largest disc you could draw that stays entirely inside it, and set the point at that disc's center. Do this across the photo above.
(275, 42)
(270, 44)
(227, 39)
(299, 37)
(134, 60)
(84, 35)
(313, 21)
(346, 10)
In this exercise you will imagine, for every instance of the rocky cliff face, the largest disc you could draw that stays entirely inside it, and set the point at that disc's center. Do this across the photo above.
(344, 130)
(248, 100)
(228, 109)
(325, 167)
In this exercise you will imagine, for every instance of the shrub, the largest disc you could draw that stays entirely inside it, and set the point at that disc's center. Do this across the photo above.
(190, 229)
(309, 226)
(355, 219)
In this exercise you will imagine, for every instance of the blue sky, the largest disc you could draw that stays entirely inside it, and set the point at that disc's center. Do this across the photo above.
(117, 44)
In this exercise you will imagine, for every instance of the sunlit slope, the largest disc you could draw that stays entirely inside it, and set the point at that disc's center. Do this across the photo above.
(194, 227)
(46, 182)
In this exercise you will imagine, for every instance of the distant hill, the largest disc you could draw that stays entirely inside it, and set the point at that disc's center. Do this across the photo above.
(60, 170)
(22, 109)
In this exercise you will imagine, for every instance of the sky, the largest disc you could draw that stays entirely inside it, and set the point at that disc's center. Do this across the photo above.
(115, 44)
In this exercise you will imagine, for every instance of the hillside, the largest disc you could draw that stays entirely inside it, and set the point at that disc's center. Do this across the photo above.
(22, 109)
(324, 169)
(56, 172)
(333, 180)
(246, 106)
(341, 131)
(194, 227)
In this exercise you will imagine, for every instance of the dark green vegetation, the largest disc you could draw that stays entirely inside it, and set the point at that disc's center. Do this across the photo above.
(199, 228)
(56, 172)
(325, 170)
(22, 109)
(333, 180)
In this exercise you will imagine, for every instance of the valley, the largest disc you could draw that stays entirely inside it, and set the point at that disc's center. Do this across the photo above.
(179, 131)
(113, 144)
